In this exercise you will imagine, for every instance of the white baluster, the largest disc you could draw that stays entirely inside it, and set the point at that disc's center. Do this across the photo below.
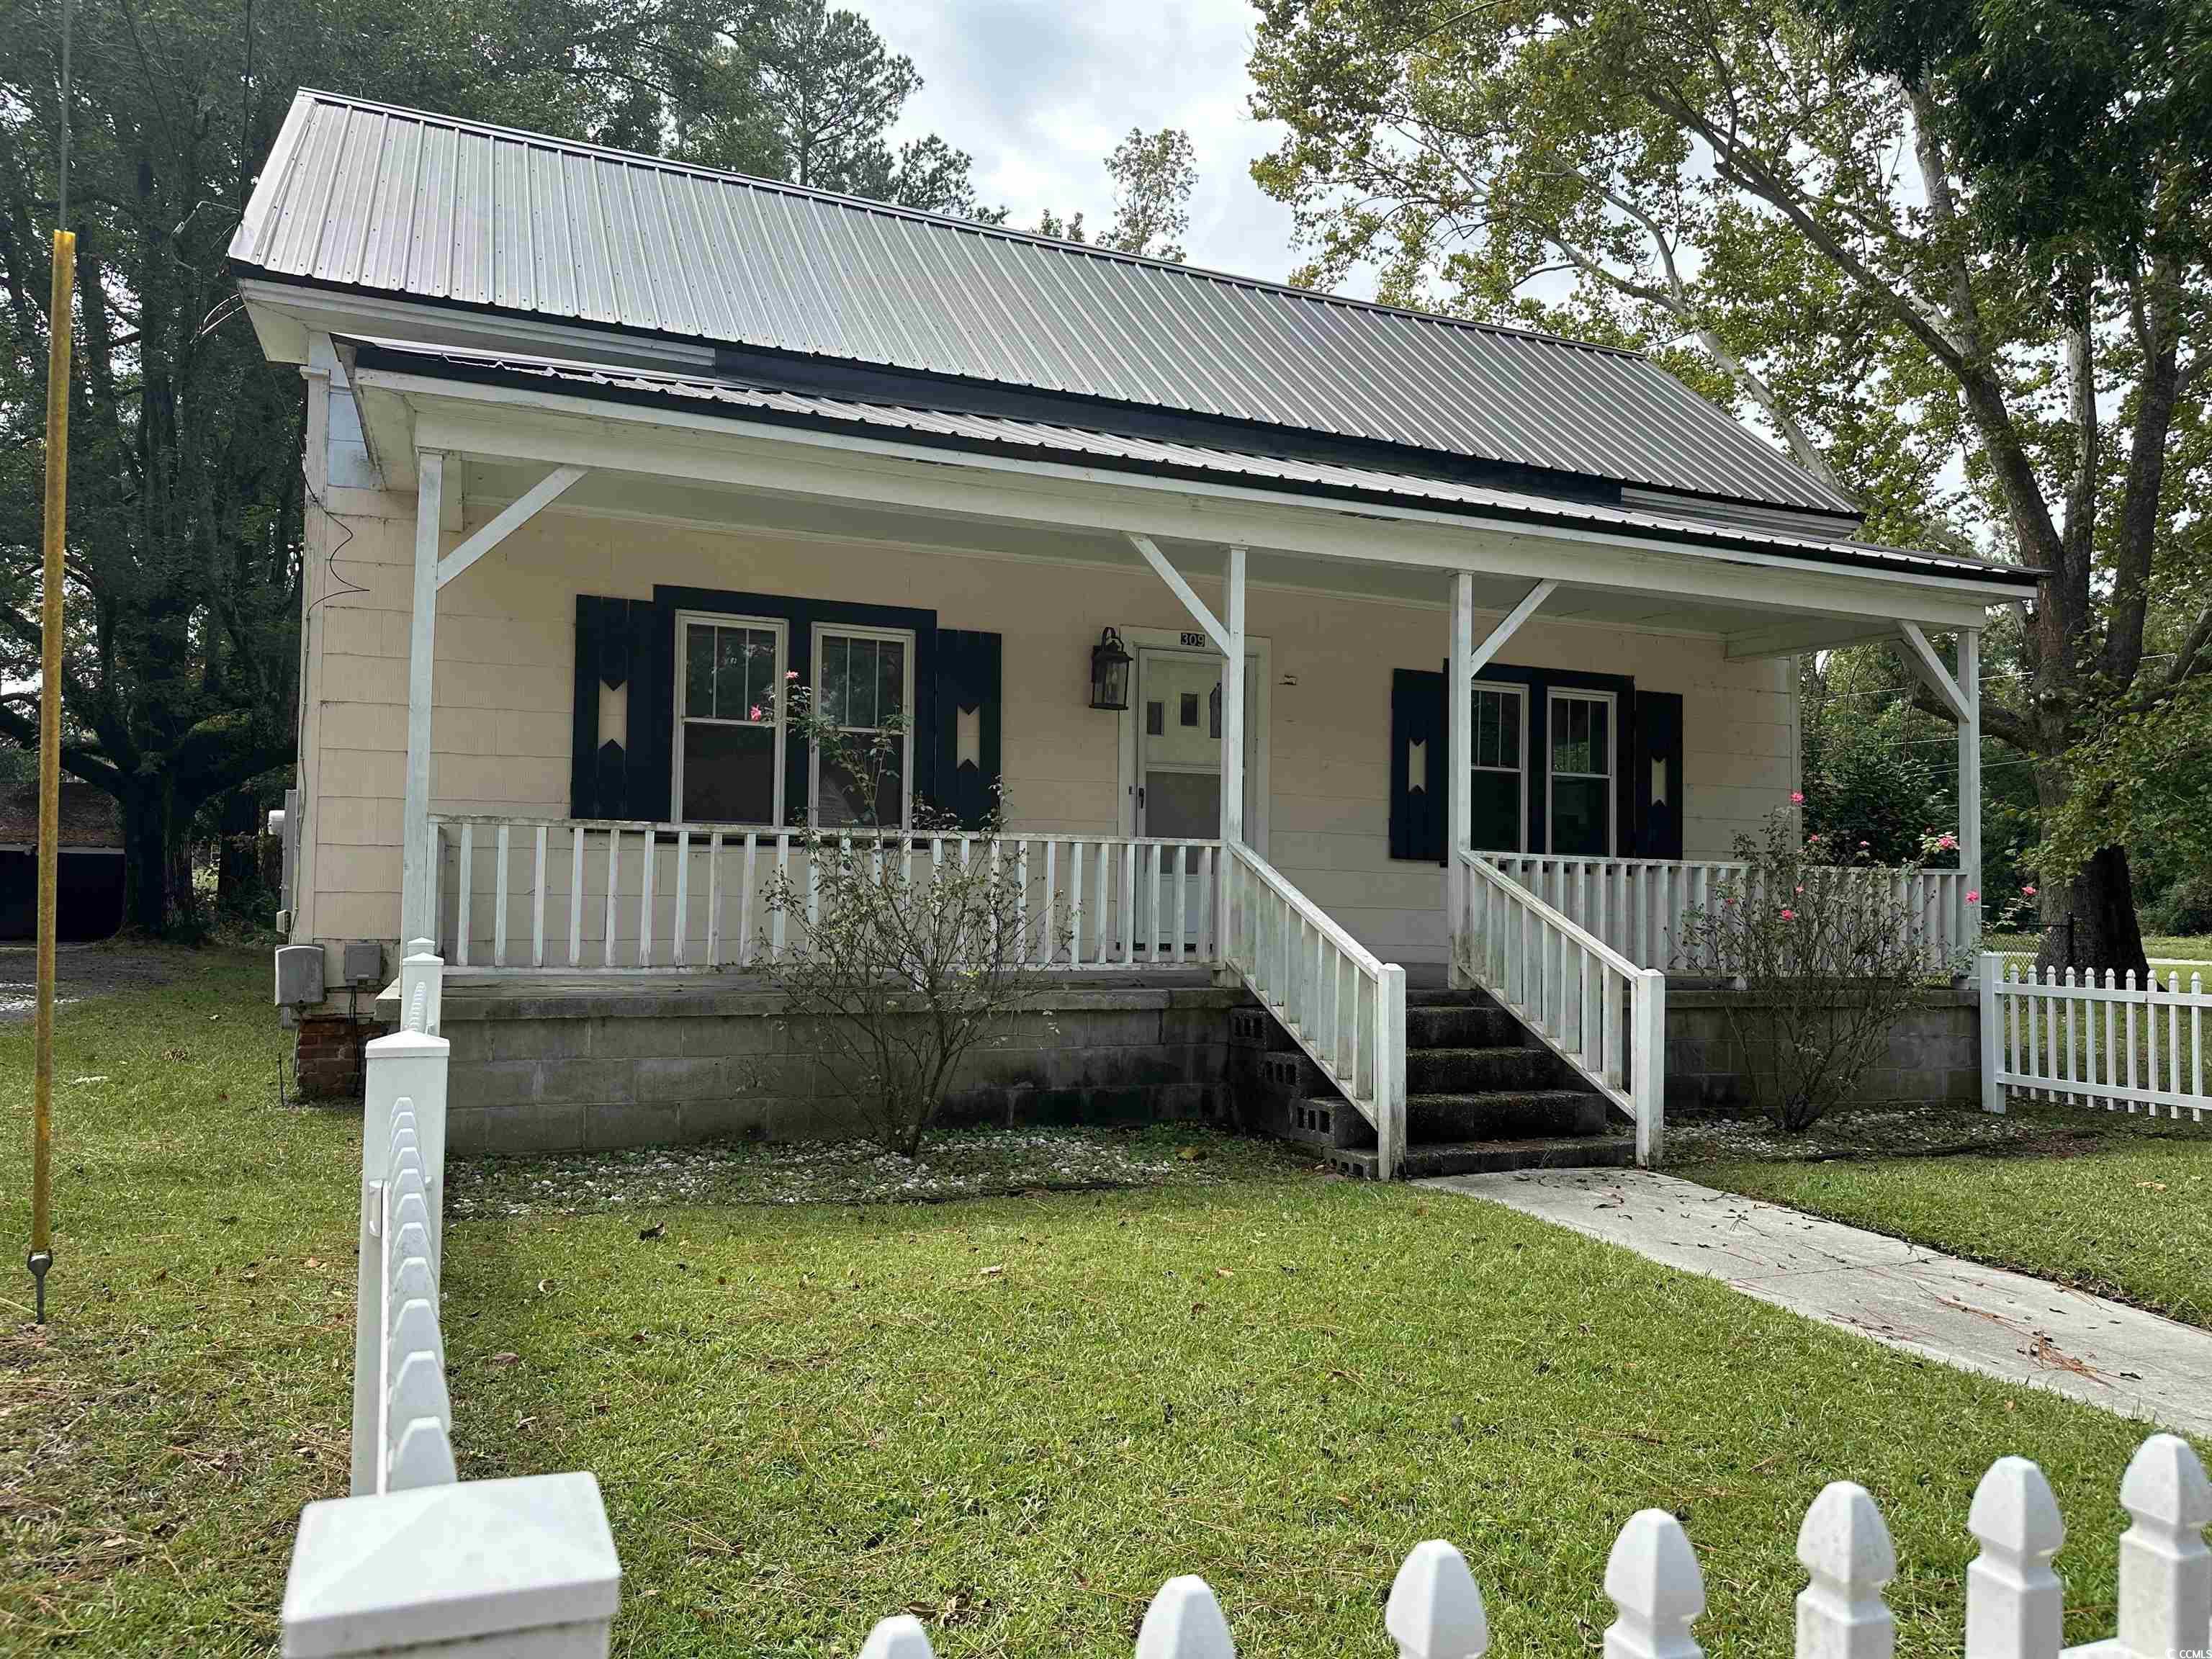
(2166, 1572)
(645, 897)
(901, 1637)
(576, 896)
(468, 862)
(614, 882)
(499, 899)
(1047, 947)
(1846, 1547)
(2014, 1603)
(746, 941)
(1184, 1622)
(538, 905)
(679, 933)
(714, 898)
(1652, 1580)
(1435, 1610)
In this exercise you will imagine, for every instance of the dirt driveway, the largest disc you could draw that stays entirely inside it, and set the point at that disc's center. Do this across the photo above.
(81, 970)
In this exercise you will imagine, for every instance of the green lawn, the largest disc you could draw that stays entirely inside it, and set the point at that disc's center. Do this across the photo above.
(1017, 1415)
(2113, 1203)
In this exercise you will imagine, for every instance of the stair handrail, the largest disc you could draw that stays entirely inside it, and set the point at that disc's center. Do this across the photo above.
(1306, 997)
(1553, 976)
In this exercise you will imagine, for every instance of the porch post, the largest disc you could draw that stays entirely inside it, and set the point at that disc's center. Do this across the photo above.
(1970, 785)
(415, 922)
(1232, 742)
(1459, 748)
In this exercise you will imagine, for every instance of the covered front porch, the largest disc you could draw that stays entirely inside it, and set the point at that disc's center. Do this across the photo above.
(1303, 830)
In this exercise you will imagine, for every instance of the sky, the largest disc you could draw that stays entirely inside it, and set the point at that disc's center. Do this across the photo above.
(1039, 91)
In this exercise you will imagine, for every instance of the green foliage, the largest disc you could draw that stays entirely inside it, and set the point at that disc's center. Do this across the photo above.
(2143, 779)
(1824, 955)
(1153, 175)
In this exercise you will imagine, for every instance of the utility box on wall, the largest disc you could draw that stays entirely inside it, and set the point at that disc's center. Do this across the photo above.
(299, 975)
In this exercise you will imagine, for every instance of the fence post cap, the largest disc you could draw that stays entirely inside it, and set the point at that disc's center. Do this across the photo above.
(405, 1044)
(1652, 1577)
(1436, 1609)
(448, 1563)
(421, 949)
(2014, 1513)
(2165, 1485)
(901, 1637)
(1184, 1622)
(1845, 1539)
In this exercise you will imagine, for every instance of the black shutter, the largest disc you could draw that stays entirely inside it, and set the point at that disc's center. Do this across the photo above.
(649, 764)
(1658, 745)
(598, 787)
(966, 675)
(1418, 806)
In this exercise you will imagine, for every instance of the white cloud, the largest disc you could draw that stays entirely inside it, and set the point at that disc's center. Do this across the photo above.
(1038, 91)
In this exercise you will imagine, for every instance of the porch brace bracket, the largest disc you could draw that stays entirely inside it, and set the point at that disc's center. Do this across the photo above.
(1928, 668)
(512, 517)
(1480, 659)
(1181, 589)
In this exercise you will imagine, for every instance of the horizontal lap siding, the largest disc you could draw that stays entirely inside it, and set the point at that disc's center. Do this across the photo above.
(504, 685)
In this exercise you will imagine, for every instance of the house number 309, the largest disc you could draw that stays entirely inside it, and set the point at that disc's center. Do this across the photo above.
(1194, 639)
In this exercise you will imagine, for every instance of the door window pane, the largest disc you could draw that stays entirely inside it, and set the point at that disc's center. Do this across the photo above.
(1183, 805)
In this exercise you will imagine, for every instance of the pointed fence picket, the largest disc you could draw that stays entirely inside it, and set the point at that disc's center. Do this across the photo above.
(2070, 1037)
(2016, 1602)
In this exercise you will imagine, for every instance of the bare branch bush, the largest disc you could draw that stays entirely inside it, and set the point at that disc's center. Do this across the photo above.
(908, 946)
(1824, 950)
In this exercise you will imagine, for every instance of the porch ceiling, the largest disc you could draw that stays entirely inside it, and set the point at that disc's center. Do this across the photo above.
(713, 470)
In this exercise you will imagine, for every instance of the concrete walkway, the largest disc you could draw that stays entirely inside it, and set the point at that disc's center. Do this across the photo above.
(2006, 1325)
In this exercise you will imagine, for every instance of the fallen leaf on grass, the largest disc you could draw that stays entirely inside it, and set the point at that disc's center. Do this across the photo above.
(505, 1357)
(992, 1273)
(653, 1231)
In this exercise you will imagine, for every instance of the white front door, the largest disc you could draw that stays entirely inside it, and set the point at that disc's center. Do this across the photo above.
(1178, 783)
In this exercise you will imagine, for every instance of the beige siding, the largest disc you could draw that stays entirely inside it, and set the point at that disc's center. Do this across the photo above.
(505, 647)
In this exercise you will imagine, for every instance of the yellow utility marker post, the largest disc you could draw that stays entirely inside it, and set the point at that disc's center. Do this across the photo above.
(50, 758)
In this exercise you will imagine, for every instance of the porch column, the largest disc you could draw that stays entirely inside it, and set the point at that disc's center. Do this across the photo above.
(1459, 749)
(1232, 739)
(1970, 784)
(415, 921)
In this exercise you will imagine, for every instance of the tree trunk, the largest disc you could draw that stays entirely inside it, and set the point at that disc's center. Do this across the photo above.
(2101, 900)
(145, 859)
(238, 884)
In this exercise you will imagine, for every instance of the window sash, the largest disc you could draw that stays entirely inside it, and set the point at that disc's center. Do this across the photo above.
(1602, 716)
(714, 624)
(1497, 713)
(823, 633)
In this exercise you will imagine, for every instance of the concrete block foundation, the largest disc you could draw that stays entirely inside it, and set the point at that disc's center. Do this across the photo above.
(1934, 1051)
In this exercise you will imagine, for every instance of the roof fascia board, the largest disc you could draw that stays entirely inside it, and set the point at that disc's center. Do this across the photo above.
(717, 449)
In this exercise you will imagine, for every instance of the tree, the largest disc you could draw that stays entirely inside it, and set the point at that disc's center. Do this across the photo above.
(1844, 226)
(1153, 175)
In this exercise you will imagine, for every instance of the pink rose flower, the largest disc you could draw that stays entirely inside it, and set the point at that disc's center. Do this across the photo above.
(1797, 798)
(790, 673)
(756, 714)
(1788, 914)
(1948, 843)
(1864, 845)
(2028, 892)
(1975, 896)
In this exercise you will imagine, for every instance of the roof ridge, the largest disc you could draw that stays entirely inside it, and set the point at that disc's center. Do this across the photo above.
(869, 205)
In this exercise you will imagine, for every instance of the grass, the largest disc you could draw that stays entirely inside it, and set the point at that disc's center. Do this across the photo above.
(2116, 1204)
(1016, 1414)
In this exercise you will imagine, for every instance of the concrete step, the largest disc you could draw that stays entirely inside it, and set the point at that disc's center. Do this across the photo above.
(1492, 1157)
(1461, 1025)
(1474, 1071)
(1503, 1115)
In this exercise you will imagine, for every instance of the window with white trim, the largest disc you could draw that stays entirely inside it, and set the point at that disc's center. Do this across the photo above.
(729, 744)
(864, 686)
(1498, 728)
(1582, 744)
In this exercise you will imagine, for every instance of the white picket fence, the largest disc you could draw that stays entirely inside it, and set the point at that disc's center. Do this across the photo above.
(417, 1561)
(529, 895)
(2063, 1036)
(2015, 1603)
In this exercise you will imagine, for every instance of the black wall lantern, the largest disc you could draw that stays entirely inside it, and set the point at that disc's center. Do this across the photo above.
(1110, 672)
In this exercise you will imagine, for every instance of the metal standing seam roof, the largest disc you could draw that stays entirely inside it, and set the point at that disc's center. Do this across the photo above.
(369, 198)
(1039, 439)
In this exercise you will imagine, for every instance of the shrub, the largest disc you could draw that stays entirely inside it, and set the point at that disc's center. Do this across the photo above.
(1824, 955)
(913, 957)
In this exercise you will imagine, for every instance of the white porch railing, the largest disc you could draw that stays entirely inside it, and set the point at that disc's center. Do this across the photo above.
(1594, 1008)
(1635, 906)
(2063, 1036)
(2015, 1604)
(1345, 1009)
(569, 897)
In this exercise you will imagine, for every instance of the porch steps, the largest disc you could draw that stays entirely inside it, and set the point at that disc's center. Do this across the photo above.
(1482, 1095)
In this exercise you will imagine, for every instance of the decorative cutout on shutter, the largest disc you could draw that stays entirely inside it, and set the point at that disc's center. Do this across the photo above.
(1418, 803)
(597, 783)
(1656, 775)
(967, 724)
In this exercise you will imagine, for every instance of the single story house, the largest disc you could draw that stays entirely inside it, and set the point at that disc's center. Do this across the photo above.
(603, 449)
